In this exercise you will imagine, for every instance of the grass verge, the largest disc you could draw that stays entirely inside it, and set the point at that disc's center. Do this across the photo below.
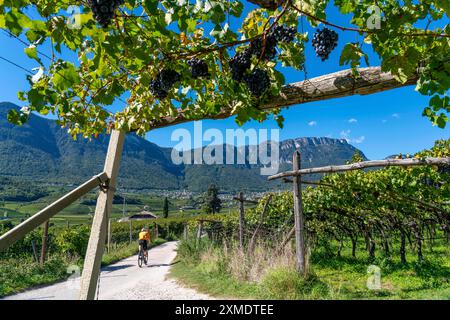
(225, 272)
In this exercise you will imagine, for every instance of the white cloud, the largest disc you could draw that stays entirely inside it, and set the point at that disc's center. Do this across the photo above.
(384, 121)
(345, 134)
(395, 115)
(312, 123)
(352, 120)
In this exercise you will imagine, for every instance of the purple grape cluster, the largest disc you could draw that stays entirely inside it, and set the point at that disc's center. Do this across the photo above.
(260, 48)
(269, 45)
(430, 183)
(283, 33)
(163, 82)
(324, 41)
(199, 68)
(104, 10)
(257, 82)
(278, 33)
(240, 63)
(444, 169)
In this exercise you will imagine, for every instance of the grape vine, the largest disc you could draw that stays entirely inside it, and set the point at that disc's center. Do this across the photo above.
(121, 47)
(381, 207)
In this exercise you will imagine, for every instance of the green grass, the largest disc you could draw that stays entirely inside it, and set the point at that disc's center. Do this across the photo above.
(219, 285)
(17, 275)
(331, 277)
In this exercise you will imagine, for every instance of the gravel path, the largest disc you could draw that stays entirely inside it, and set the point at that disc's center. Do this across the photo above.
(124, 280)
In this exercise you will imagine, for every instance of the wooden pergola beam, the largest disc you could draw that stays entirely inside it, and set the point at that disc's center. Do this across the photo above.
(364, 165)
(268, 4)
(334, 85)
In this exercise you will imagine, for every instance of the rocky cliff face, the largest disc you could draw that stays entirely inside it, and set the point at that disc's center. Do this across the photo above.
(317, 150)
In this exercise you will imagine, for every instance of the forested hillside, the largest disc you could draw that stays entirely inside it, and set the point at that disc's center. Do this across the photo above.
(42, 151)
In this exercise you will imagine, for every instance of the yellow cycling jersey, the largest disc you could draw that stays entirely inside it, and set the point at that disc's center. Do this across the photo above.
(144, 235)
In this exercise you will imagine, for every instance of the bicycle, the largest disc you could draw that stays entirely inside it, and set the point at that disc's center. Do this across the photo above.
(142, 257)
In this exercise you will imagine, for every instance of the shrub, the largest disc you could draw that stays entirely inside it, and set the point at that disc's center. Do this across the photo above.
(73, 241)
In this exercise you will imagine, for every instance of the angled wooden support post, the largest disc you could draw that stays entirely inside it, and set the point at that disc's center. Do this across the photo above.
(298, 216)
(96, 245)
(19, 231)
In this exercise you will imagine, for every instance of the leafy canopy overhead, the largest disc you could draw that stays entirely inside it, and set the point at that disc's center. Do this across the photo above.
(123, 58)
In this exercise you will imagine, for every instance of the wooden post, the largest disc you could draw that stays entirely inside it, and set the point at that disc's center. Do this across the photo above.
(109, 235)
(96, 245)
(241, 220)
(35, 255)
(156, 231)
(131, 231)
(298, 216)
(185, 231)
(200, 230)
(44, 242)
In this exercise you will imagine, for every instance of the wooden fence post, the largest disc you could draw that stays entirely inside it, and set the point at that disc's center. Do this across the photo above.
(156, 231)
(131, 231)
(185, 231)
(96, 245)
(298, 216)
(241, 220)
(33, 245)
(200, 230)
(44, 242)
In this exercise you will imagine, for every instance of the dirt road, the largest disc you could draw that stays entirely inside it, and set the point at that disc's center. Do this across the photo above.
(124, 280)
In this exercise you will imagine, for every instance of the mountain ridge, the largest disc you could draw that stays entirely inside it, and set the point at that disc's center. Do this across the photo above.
(42, 151)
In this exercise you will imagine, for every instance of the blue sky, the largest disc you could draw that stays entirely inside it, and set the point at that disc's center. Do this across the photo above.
(380, 124)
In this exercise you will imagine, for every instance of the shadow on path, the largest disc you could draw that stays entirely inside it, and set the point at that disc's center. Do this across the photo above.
(162, 264)
(115, 268)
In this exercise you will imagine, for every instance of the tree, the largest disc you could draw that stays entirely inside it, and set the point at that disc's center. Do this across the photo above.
(177, 61)
(166, 208)
(211, 201)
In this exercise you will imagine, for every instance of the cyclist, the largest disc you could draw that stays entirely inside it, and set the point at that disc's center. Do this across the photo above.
(144, 240)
